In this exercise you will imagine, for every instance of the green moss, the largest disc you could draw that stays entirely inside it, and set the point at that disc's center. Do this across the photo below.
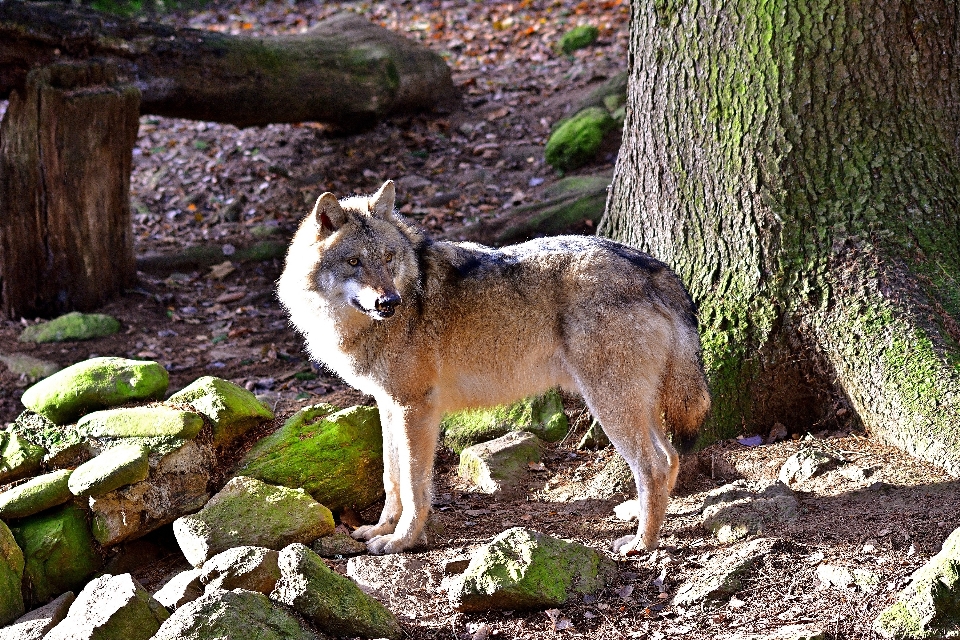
(577, 38)
(114, 468)
(541, 415)
(231, 409)
(36, 495)
(73, 326)
(11, 573)
(158, 420)
(577, 140)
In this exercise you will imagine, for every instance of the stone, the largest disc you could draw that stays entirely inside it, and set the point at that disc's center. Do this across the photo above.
(805, 464)
(35, 624)
(500, 464)
(63, 444)
(523, 569)
(723, 575)
(177, 486)
(232, 410)
(97, 383)
(58, 550)
(250, 512)
(577, 140)
(328, 600)
(615, 481)
(777, 433)
(338, 545)
(156, 420)
(180, 589)
(579, 37)
(29, 367)
(392, 578)
(70, 327)
(19, 457)
(929, 606)
(36, 495)
(594, 438)
(111, 608)
(232, 615)
(741, 509)
(11, 575)
(831, 575)
(335, 456)
(541, 415)
(114, 468)
(246, 567)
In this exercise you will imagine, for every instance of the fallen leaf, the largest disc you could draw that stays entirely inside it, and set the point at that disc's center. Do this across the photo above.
(222, 270)
(231, 297)
(536, 466)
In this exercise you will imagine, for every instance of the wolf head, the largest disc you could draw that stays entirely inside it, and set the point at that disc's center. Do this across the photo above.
(354, 254)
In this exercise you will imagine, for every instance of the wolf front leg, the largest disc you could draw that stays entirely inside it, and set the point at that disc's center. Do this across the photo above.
(414, 433)
(391, 480)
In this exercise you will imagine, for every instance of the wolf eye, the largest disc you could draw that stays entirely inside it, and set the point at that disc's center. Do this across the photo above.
(353, 262)
(388, 257)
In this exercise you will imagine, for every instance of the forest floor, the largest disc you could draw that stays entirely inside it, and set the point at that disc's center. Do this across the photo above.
(198, 183)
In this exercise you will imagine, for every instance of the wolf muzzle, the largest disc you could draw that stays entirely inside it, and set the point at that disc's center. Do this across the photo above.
(387, 304)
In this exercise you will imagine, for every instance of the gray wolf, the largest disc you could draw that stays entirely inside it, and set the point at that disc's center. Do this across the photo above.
(429, 327)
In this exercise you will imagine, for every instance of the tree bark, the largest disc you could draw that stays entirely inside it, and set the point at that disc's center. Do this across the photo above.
(66, 143)
(797, 163)
(347, 71)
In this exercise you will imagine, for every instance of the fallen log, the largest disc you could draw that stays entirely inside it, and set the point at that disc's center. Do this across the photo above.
(346, 71)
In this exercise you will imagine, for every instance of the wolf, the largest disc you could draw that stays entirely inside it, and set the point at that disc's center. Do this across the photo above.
(429, 327)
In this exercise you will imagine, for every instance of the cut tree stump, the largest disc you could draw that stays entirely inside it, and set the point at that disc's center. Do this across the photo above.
(66, 146)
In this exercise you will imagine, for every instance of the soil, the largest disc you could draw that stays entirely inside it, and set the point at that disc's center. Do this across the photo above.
(204, 184)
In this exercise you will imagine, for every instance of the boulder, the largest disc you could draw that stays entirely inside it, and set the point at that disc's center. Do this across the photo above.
(177, 485)
(338, 545)
(180, 589)
(594, 438)
(59, 553)
(328, 600)
(805, 464)
(64, 445)
(111, 608)
(723, 575)
(114, 468)
(19, 457)
(232, 615)
(578, 139)
(929, 606)
(29, 367)
(248, 568)
(541, 415)
(250, 512)
(97, 383)
(499, 464)
(335, 456)
(36, 624)
(150, 421)
(36, 495)
(72, 326)
(232, 410)
(11, 574)
(523, 569)
(741, 509)
(579, 37)
(392, 578)
(615, 480)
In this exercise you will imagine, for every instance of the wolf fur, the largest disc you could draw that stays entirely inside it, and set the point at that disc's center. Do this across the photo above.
(431, 327)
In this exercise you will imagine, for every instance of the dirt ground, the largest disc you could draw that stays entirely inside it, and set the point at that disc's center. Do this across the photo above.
(207, 184)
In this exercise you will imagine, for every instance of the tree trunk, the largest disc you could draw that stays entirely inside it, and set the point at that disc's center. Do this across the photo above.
(347, 71)
(797, 163)
(66, 148)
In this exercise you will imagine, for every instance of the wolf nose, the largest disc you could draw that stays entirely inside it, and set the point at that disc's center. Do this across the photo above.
(387, 303)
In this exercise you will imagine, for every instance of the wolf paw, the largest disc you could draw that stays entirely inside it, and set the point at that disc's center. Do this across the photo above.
(387, 543)
(629, 510)
(631, 545)
(370, 531)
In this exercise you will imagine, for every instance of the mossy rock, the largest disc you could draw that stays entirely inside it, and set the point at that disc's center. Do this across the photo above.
(98, 383)
(579, 37)
(250, 512)
(501, 463)
(330, 601)
(114, 468)
(59, 552)
(928, 607)
(151, 421)
(111, 607)
(523, 569)
(28, 366)
(577, 140)
(19, 457)
(11, 574)
(335, 456)
(36, 495)
(41, 432)
(231, 409)
(541, 415)
(72, 326)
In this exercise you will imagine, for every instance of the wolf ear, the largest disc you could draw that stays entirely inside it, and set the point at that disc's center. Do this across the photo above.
(383, 201)
(328, 213)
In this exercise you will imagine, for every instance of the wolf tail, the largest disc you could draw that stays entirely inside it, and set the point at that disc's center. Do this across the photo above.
(684, 393)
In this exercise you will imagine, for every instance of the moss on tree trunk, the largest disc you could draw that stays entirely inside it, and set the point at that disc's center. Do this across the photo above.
(797, 164)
